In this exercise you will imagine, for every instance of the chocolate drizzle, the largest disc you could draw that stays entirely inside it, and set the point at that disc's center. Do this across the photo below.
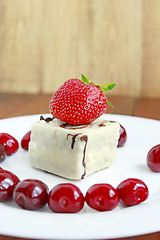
(73, 139)
(102, 125)
(72, 127)
(65, 125)
(85, 139)
(48, 119)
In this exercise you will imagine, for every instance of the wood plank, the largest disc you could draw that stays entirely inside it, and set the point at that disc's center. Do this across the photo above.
(33, 104)
(2, 237)
(10, 102)
(122, 105)
(151, 52)
(19, 105)
(152, 236)
(45, 42)
(117, 45)
(21, 46)
(148, 108)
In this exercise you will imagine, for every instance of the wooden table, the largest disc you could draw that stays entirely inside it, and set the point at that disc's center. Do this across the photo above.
(12, 105)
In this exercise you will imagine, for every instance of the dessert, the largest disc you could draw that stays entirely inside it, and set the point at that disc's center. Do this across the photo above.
(75, 143)
(73, 152)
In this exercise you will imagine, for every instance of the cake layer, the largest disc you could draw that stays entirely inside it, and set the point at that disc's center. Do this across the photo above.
(73, 152)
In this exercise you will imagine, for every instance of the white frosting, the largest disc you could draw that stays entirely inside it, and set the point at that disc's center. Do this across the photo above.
(73, 151)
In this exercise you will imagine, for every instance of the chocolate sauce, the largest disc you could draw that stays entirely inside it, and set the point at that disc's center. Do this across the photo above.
(102, 125)
(41, 117)
(73, 139)
(72, 127)
(48, 119)
(85, 139)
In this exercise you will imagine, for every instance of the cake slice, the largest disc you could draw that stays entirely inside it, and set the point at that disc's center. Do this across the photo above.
(73, 152)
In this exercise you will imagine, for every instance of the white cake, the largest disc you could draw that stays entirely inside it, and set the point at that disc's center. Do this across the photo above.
(73, 152)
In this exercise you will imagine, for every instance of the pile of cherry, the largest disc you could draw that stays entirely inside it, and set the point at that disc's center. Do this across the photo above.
(33, 194)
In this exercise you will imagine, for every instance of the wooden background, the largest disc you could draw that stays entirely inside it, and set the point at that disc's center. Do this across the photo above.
(45, 42)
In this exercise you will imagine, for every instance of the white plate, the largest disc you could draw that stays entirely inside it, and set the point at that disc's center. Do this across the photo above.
(143, 134)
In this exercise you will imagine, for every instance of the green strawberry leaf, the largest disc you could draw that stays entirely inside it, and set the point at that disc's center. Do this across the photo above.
(109, 103)
(107, 87)
(84, 79)
(104, 87)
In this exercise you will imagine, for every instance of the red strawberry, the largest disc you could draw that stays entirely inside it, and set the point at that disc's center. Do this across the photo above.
(79, 102)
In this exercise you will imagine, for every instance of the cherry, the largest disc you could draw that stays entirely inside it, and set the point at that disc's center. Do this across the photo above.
(65, 198)
(10, 144)
(8, 181)
(123, 136)
(153, 158)
(102, 197)
(25, 140)
(2, 153)
(31, 194)
(132, 191)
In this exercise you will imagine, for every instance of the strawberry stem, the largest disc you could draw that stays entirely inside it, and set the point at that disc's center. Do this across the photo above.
(107, 87)
(109, 103)
(104, 87)
(84, 79)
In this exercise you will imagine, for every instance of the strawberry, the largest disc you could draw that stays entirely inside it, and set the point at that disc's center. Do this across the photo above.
(79, 101)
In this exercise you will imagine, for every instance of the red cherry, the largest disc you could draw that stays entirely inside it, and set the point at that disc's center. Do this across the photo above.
(153, 158)
(25, 140)
(132, 191)
(122, 137)
(31, 194)
(10, 144)
(2, 153)
(8, 181)
(65, 198)
(102, 197)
